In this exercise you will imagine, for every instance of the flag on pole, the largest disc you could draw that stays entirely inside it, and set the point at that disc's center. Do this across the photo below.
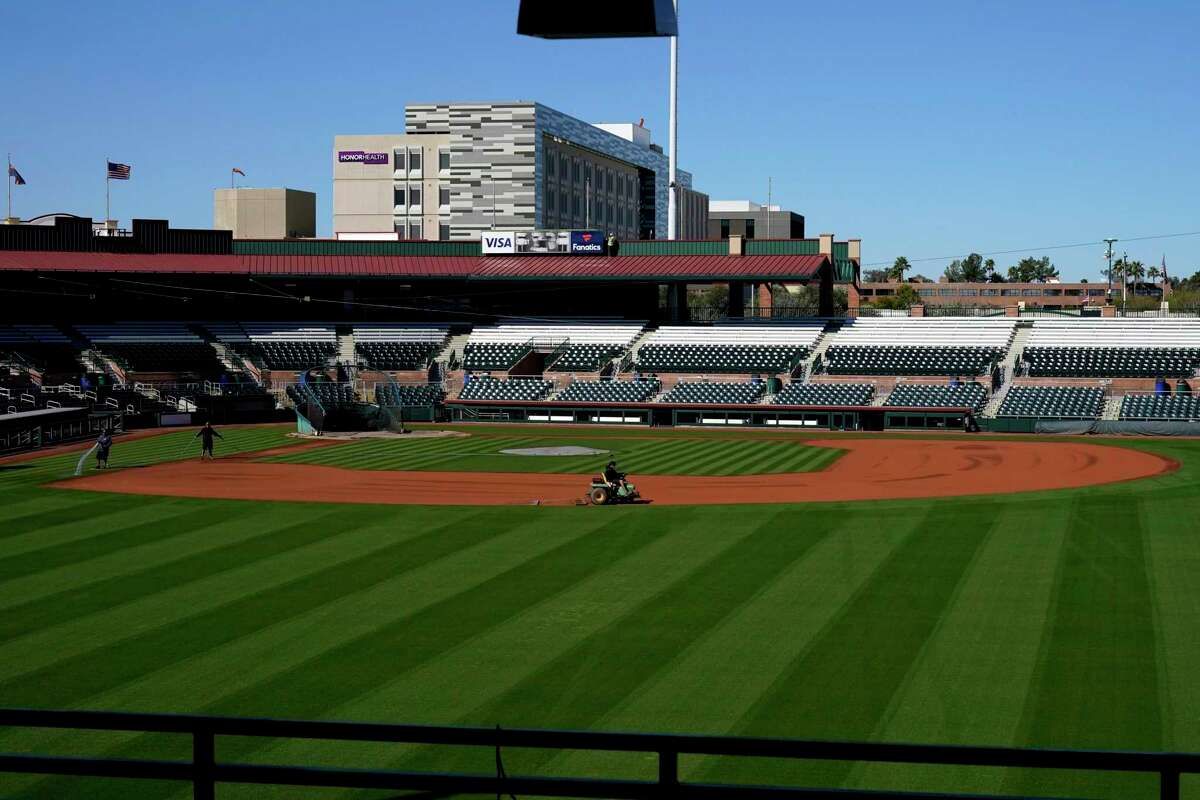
(118, 172)
(239, 172)
(16, 176)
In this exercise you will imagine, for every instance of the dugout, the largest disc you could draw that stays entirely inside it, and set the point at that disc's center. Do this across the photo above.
(31, 430)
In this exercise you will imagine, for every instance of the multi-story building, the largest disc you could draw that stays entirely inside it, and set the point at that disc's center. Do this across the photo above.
(265, 213)
(1049, 296)
(464, 168)
(751, 220)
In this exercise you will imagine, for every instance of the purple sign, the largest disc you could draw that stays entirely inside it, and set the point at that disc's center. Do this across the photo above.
(359, 157)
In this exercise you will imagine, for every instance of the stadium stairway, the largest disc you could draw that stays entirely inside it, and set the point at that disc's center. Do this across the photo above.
(1112, 408)
(631, 354)
(818, 351)
(345, 348)
(1009, 365)
(454, 347)
(996, 400)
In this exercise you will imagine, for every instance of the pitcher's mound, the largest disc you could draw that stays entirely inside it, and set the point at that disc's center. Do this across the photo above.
(566, 450)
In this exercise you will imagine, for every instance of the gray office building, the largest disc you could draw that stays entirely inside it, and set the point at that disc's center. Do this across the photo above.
(460, 169)
(753, 221)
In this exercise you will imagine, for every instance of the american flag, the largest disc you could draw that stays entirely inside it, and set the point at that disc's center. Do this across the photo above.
(16, 176)
(118, 172)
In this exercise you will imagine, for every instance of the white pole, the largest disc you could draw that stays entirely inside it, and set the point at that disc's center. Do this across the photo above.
(672, 225)
(8, 178)
(107, 193)
(768, 206)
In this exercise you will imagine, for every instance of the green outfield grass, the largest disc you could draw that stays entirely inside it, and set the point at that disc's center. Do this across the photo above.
(1064, 619)
(637, 454)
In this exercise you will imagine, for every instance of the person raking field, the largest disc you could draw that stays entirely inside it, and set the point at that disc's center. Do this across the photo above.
(206, 435)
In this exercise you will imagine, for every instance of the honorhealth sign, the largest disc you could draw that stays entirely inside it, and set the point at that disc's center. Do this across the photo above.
(360, 157)
(558, 243)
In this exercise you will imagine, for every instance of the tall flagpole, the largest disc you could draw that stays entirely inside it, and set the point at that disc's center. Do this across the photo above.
(8, 178)
(107, 203)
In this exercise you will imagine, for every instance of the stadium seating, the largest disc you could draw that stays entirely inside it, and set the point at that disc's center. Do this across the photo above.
(280, 345)
(1160, 407)
(584, 357)
(1114, 348)
(515, 389)
(402, 394)
(917, 346)
(638, 391)
(1053, 402)
(715, 393)
(825, 394)
(926, 395)
(399, 347)
(328, 394)
(728, 348)
(43, 347)
(584, 346)
(153, 347)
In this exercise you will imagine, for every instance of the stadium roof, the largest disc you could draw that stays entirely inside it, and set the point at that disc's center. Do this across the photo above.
(699, 268)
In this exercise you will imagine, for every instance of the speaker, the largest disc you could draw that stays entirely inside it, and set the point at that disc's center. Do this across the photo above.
(596, 19)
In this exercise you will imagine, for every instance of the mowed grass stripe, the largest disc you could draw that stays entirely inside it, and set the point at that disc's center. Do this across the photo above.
(78, 510)
(1097, 682)
(843, 684)
(324, 682)
(93, 592)
(644, 455)
(243, 616)
(990, 637)
(584, 684)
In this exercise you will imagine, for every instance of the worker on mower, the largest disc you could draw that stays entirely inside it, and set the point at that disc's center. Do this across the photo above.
(615, 479)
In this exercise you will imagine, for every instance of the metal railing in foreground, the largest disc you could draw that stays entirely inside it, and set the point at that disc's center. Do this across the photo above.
(204, 771)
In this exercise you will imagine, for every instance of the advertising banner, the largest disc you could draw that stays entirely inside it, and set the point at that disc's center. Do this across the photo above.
(361, 157)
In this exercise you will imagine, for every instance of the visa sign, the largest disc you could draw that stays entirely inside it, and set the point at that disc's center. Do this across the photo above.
(587, 243)
(497, 243)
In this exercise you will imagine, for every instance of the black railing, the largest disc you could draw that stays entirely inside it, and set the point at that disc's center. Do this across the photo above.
(204, 772)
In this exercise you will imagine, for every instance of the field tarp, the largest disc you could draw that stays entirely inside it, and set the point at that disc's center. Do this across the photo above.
(1119, 427)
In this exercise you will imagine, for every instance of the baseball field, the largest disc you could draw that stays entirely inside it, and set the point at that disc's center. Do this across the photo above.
(1003, 615)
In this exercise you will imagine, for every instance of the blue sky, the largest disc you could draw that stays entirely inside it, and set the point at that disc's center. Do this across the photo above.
(927, 129)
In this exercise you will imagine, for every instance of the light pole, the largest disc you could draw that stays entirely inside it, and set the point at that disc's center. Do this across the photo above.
(1109, 255)
(672, 189)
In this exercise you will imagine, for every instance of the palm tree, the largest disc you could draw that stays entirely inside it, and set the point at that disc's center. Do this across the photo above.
(1136, 271)
(899, 267)
(989, 266)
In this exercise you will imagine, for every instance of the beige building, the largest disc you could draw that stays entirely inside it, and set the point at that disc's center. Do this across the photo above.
(265, 213)
(392, 183)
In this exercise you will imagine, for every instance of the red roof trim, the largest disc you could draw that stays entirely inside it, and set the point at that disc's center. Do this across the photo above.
(777, 267)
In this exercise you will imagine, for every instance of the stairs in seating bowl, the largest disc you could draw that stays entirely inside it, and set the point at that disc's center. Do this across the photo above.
(996, 400)
(345, 349)
(1112, 408)
(822, 345)
(455, 346)
(1015, 348)
(636, 344)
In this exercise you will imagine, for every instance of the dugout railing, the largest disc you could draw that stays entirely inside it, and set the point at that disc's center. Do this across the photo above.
(204, 771)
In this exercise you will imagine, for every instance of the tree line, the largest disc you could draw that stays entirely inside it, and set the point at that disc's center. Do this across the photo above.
(973, 269)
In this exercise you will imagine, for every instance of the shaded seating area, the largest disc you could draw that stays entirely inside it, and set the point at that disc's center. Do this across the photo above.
(584, 357)
(715, 393)
(515, 389)
(328, 394)
(1175, 407)
(399, 347)
(639, 391)
(154, 347)
(1053, 402)
(280, 345)
(42, 347)
(825, 394)
(571, 345)
(769, 348)
(925, 395)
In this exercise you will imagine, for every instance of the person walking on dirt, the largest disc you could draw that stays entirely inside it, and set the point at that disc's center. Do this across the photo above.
(103, 445)
(205, 435)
